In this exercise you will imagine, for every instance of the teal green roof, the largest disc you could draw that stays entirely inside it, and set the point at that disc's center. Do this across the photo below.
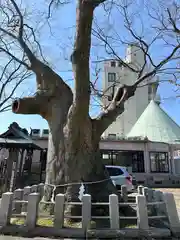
(155, 124)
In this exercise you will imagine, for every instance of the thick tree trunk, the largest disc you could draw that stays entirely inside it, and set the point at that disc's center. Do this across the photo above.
(79, 161)
(55, 168)
(74, 158)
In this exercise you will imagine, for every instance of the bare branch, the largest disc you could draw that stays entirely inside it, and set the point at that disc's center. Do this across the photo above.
(56, 3)
(104, 39)
(158, 67)
(115, 108)
(15, 58)
(11, 78)
(172, 21)
(36, 41)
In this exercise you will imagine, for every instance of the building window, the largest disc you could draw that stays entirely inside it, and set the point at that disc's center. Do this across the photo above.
(113, 64)
(108, 157)
(45, 131)
(35, 131)
(159, 162)
(105, 156)
(111, 77)
(137, 162)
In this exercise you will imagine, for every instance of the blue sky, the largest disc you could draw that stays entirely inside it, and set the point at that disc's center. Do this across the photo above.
(57, 43)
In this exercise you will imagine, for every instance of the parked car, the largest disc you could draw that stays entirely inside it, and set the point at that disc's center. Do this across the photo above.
(120, 176)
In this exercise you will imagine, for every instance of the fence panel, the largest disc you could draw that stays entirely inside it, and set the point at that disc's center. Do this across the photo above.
(163, 203)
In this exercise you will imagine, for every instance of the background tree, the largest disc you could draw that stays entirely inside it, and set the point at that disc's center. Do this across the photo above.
(11, 77)
(73, 151)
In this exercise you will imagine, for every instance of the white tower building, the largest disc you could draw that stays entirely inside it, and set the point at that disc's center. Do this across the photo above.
(114, 74)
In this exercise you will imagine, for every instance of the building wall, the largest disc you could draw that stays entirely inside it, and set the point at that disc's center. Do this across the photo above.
(177, 153)
(43, 143)
(118, 145)
(115, 145)
(135, 106)
(177, 166)
(149, 178)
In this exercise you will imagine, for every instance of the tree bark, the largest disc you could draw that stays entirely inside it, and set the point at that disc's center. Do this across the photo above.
(74, 158)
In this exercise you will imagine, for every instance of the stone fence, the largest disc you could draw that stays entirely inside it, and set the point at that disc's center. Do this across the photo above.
(149, 205)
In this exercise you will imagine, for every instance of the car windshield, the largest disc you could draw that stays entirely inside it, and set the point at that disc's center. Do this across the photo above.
(114, 171)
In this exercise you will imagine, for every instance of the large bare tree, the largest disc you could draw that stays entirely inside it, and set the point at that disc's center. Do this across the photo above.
(73, 151)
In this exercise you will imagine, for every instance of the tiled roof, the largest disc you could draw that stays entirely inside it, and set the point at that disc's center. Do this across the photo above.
(17, 137)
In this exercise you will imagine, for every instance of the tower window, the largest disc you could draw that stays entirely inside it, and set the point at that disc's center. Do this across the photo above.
(113, 64)
(111, 77)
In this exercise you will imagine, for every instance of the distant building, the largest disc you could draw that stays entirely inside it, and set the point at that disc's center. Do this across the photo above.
(115, 73)
(147, 151)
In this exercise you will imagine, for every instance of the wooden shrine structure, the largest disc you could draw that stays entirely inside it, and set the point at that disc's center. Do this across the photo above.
(16, 151)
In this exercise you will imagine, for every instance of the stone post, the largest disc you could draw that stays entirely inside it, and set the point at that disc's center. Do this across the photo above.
(124, 193)
(142, 213)
(59, 211)
(161, 208)
(140, 190)
(34, 189)
(41, 189)
(145, 192)
(6, 208)
(32, 210)
(86, 211)
(18, 196)
(27, 191)
(172, 213)
(114, 211)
